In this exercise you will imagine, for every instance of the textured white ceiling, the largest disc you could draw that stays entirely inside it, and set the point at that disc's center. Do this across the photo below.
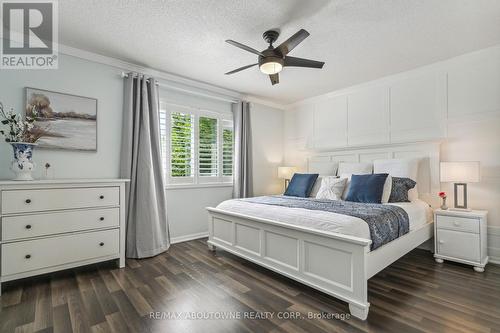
(359, 40)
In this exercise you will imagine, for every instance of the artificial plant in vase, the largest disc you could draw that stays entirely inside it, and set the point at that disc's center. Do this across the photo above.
(19, 132)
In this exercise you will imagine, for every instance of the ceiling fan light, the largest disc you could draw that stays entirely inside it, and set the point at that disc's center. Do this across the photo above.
(271, 67)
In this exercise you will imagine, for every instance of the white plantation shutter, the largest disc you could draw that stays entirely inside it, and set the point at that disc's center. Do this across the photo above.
(197, 145)
(208, 153)
(227, 147)
(181, 145)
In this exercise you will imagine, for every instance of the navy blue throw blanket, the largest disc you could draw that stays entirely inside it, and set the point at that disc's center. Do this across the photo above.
(386, 222)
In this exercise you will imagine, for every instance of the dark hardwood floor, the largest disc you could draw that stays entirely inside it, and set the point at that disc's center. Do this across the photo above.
(413, 295)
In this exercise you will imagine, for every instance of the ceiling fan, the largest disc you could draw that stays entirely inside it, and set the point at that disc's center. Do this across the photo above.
(272, 60)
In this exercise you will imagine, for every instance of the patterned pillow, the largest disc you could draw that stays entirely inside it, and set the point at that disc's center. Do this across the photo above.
(331, 188)
(400, 188)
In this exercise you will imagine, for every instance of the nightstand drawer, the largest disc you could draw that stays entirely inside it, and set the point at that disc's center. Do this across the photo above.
(458, 223)
(458, 244)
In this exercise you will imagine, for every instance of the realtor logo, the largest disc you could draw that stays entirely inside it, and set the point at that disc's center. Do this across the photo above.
(29, 34)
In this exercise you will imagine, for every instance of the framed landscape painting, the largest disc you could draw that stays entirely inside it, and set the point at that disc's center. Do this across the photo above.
(66, 121)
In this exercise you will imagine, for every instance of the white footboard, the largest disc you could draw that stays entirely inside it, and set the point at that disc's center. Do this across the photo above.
(332, 263)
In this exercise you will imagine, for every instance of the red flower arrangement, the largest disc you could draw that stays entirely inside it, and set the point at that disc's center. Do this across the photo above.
(442, 194)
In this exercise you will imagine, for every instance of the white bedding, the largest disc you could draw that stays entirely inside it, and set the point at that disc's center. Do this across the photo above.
(419, 213)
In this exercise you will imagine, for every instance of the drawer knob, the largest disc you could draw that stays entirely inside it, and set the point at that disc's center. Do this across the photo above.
(101, 218)
(456, 224)
(27, 256)
(101, 197)
(28, 201)
(101, 244)
(441, 242)
(28, 226)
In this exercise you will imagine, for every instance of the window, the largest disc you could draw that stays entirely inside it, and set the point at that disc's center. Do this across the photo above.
(197, 145)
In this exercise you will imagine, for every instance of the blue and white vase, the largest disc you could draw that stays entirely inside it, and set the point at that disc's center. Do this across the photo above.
(23, 165)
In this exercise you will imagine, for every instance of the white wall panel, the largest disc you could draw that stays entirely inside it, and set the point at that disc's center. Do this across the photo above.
(418, 108)
(368, 117)
(474, 85)
(330, 123)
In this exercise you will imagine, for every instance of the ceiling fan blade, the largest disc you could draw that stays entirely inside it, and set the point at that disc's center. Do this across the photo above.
(275, 78)
(292, 42)
(244, 47)
(301, 62)
(240, 69)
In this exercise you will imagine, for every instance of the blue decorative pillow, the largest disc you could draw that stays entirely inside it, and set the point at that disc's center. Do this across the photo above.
(400, 188)
(367, 188)
(301, 185)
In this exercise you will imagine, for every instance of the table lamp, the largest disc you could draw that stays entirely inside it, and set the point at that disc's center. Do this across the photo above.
(286, 173)
(460, 173)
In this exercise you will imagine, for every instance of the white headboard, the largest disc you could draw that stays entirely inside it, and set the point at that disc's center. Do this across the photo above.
(428, 171)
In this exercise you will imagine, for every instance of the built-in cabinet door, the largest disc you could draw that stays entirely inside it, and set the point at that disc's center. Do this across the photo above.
(418, 108)
(330, 123)
(368, 117)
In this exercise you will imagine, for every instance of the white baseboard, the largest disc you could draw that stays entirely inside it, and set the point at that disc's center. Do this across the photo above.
(186, 238)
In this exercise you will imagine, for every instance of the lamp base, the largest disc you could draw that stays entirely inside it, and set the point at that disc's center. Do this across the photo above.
(463, 206)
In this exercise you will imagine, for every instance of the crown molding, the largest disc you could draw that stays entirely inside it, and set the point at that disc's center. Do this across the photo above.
(257, 100)
(159, 75)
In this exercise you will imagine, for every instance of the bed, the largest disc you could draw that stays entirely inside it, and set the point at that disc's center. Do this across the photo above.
(327, 251)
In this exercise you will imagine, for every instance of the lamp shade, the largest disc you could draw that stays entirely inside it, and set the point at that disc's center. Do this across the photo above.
(460, 172)
(286, 172)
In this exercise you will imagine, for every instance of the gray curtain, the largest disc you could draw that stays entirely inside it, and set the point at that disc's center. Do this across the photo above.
(242, 151)
(146, 213)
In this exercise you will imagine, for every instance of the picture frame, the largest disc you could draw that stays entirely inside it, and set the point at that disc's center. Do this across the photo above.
(69, 122)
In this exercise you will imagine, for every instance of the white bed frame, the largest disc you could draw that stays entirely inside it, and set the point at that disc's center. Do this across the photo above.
(336, 264)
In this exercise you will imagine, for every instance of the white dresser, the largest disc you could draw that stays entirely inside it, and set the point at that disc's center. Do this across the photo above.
(461, 236)
(50, 225)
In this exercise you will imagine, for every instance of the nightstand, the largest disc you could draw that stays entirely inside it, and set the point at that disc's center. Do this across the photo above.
(461, 236)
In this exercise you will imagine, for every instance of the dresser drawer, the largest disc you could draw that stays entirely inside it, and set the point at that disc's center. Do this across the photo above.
(25, 226)
(22, 201)
(458, 244)
(30, 255)
(458, 223)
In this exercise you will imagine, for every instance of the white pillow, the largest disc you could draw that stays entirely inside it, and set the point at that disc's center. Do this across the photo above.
(387, 189)
(331, 188)
(323, 168)
(316, 186)
(398, 167)
(354, 168)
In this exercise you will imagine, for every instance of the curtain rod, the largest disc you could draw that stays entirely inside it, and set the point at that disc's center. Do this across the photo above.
(188, 91)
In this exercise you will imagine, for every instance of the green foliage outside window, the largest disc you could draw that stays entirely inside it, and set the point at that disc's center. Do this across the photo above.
(227, 152)
(181, 144)
(207, 146)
